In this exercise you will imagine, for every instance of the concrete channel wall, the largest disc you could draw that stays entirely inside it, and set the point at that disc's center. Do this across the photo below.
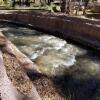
(84, 31)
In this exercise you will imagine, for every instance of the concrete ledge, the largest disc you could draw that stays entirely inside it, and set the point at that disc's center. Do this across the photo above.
(82, 30)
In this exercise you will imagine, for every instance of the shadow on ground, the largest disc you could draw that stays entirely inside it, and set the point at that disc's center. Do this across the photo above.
(76, 86)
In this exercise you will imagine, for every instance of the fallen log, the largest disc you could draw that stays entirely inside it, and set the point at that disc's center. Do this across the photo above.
(26, 89)
(25, 62)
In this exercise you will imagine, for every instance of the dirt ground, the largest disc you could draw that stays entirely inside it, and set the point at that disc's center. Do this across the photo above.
(17, 75)
(44, 85)
(48, 90)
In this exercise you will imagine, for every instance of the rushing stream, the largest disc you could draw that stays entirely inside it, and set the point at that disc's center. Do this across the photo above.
(79, 67)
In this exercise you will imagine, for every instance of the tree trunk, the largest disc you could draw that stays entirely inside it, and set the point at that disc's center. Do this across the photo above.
(85, 6)
(43, 2)
(37, 2)
(65, 6)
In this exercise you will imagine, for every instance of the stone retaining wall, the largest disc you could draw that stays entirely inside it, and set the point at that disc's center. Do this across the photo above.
(81, 30)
